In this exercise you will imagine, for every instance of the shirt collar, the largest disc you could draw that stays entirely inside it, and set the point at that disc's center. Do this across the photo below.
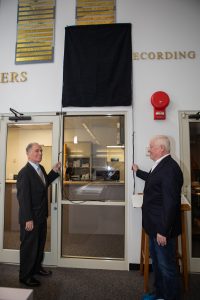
(158, 161)
(161, 158)
(34, 165)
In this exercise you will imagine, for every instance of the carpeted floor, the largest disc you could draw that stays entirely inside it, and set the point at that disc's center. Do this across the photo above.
(85, 284)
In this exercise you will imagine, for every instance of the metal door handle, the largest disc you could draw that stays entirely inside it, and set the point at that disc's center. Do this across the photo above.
(53, 193)
(56, 194)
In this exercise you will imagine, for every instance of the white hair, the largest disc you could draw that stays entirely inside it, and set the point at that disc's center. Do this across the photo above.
(162, 140)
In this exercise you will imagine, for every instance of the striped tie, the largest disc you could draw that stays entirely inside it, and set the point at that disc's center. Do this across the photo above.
(40, 173)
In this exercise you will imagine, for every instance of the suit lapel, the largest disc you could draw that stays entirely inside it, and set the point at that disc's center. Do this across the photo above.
(35, 175)
(160, 165)
(157, 169)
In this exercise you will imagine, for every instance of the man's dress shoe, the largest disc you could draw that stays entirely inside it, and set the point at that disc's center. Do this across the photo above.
(44, 272)
(30, 282)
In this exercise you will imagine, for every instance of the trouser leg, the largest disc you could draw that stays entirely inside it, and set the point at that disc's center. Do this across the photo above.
(28, 252)
(42, 233)
(167, 277)
(156, 271)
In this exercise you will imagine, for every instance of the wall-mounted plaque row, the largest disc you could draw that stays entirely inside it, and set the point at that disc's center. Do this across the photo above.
(35, 31)
(89, 12)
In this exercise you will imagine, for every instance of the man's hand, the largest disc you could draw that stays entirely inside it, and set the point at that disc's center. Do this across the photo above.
(57, 167)
(29, 226)
(161, 240)
(135, 167)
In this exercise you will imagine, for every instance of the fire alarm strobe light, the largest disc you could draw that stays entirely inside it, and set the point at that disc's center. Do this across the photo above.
(160, 101)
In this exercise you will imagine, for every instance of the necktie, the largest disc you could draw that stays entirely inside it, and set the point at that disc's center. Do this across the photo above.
(40, 173)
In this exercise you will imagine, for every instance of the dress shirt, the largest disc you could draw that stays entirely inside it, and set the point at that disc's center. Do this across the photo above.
(38, 170)
(158, 161)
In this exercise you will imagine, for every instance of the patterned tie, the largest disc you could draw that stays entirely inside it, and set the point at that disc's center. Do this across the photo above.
(40, 173)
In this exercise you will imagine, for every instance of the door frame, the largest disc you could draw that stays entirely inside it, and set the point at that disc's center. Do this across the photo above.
(10, 255)
(194, 263)
(108, 263)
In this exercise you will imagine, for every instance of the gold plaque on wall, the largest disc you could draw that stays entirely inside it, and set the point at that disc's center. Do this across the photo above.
(35, 31)
(90, 12)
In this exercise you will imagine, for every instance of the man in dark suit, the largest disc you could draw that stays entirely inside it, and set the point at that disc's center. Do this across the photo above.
(161, 217)
(32, 194)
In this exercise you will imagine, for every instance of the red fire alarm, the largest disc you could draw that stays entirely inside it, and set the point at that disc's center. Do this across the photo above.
(160, 101)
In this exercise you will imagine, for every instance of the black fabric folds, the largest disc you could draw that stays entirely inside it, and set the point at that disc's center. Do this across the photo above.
(97, 67)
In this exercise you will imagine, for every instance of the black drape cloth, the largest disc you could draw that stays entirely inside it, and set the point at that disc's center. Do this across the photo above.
(97, 67)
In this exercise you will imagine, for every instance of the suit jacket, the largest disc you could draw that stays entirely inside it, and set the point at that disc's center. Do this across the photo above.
(161, 209)
(32, 194)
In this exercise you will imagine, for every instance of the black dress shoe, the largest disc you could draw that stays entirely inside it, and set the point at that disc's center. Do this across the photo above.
(44, 272)
(30, 282)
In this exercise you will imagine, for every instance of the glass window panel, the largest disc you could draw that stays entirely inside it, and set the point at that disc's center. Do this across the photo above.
(93, 231)
(11, 222)
(18, 137)
(93, 167)
(195, 186)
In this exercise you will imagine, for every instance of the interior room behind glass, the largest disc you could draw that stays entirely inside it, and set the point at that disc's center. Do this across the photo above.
(93, 162)
(195, 185)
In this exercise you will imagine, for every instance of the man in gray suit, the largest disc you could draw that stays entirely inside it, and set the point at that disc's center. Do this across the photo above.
(32, 194)
(161, 216)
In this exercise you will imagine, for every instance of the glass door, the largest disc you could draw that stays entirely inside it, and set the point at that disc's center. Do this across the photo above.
(14, 137)
(190, 157)
(194, 130)
(93, 190)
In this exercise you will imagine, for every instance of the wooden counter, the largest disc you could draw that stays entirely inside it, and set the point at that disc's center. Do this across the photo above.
(94, 190)
(11, 181)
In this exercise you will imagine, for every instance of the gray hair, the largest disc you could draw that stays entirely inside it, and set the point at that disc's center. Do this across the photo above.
(29, 146)
(162, 140)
